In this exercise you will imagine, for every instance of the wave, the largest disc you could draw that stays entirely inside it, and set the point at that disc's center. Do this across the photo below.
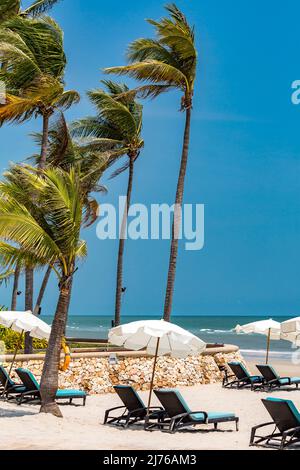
(212, 331)
(263, 352)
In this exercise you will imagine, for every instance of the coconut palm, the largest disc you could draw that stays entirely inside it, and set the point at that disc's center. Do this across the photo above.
(49, 234)
(34, 58)
(10, 8)
(167, 62)
(33, 54)
(118, 125)
(65, 153)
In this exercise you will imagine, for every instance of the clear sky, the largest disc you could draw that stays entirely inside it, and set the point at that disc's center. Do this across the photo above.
(244, 159)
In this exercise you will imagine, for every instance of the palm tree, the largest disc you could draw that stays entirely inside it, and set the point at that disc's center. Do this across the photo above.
(64, 152)
(10, 8)
(49, 234)
(118, 125)
(33, 54)
(167, 62)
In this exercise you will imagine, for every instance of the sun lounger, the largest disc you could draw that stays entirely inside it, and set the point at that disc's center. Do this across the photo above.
(273, 380)
(6, 383)
(133, 409)
(240, 377)
(286, 422)
(178, 415)
(32, 390)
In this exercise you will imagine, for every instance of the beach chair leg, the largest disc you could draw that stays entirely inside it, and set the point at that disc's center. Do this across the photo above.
(237, 424)
(215, 426)
(84, 401)
(70, 401)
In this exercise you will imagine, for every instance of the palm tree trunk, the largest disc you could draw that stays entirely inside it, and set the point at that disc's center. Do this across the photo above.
(15, 289)
(28, 304)
(45, 137)
(122, 244)
(177, 218)
(42, 291)
(49, 381)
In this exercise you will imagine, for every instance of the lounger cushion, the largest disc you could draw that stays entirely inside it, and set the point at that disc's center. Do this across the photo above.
(200, 417)
(291, 405)
(294, 380)
(70, 393)
(212, 416)
(255, 378)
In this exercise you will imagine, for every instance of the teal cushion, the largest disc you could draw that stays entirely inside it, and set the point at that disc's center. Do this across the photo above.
(30, 374)
(212, 416)
(294, 380)
(291, 405)
(70, 393)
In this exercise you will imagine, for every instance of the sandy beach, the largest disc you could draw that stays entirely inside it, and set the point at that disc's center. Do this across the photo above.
(81, 428)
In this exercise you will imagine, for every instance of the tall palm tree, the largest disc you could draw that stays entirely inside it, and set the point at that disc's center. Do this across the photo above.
(167, 62)
(50, 234)
(33, 54)
(118, 124)
(92, 160)
(10, 8)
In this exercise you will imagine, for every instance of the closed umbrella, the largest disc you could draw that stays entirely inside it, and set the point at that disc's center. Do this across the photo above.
(290, 330)
(270, 328)
(24, 322)
(158, 338)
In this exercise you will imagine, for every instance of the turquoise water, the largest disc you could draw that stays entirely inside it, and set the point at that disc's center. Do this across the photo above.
(211, 329)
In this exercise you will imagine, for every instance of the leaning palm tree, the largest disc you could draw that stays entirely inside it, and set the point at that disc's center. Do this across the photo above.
(167, 62)
(91, 160)
(50, 235)
(33, 54)
(117, 125)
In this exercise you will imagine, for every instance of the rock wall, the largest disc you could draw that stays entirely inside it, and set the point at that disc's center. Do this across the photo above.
(96, 375)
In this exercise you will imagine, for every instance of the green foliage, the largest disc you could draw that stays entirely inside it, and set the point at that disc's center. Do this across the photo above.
(11, 340)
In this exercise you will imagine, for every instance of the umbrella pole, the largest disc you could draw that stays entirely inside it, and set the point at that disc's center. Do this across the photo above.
(268, 345)
(153, 375)
(12, 362)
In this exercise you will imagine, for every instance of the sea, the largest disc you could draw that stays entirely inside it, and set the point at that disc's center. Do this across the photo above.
(211, 329)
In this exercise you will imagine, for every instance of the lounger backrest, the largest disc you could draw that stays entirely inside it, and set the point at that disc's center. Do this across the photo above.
(28, 379)
(4, 376)
(267, 372)
(172, 401)
(129, 397)
(283, 412)
(239, 370)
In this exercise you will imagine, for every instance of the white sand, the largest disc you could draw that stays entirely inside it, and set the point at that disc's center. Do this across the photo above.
(22, 427)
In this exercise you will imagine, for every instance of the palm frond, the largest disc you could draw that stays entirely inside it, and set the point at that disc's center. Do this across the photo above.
(39, 7)
(152, 71)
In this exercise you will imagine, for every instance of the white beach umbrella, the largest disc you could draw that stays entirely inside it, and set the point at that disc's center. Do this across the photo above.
(24, 322)
(270, 328)
(290, 330)
(158, 338)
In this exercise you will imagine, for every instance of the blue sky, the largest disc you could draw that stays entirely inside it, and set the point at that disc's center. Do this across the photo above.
(244, 159)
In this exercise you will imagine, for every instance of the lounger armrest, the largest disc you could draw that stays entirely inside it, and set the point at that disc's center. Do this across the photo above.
(185, 415)
(273, 381)
(115, 408)
(263, 425)
(291, 431)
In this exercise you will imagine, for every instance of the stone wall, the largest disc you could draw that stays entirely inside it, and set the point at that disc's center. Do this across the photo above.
(95, 375)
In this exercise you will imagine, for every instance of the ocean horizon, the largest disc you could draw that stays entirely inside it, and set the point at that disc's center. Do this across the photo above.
(211, 329)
